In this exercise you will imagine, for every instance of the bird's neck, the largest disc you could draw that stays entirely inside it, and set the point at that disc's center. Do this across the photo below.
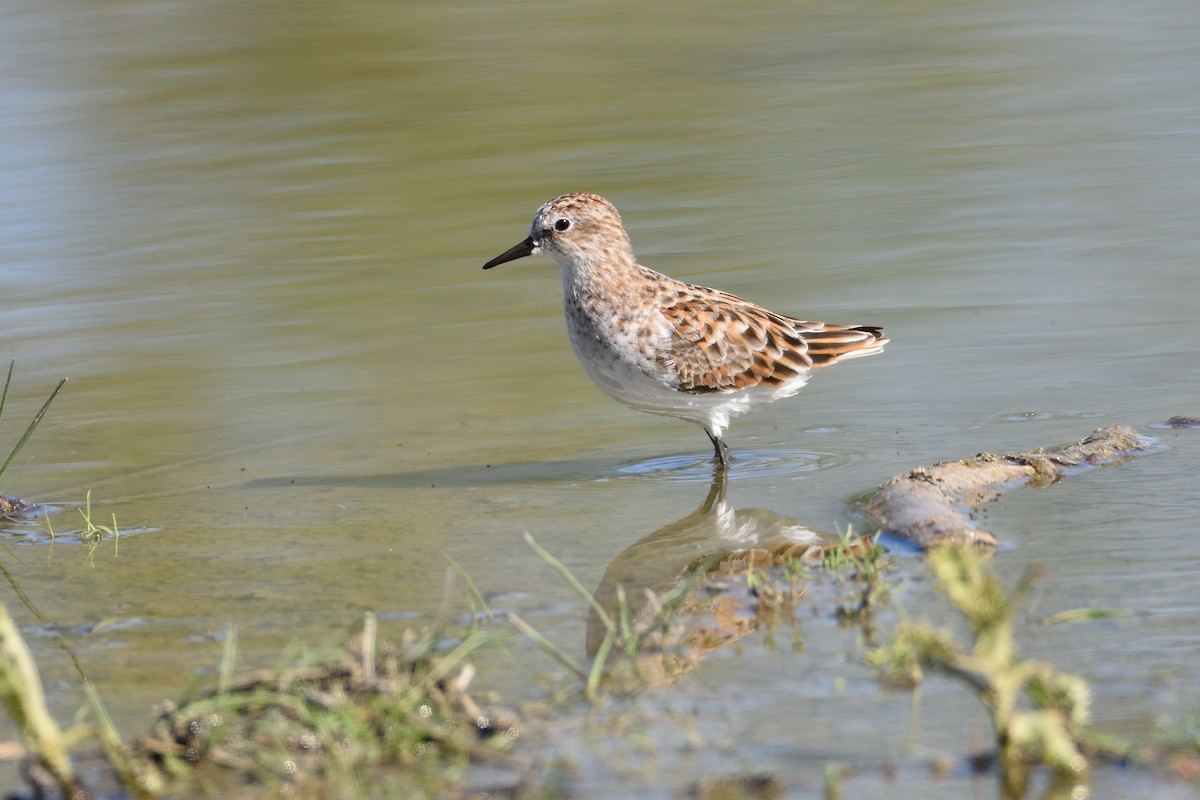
(607, 267)
(607, 292)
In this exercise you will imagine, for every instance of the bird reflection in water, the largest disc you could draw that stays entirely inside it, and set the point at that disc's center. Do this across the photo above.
(689, 560)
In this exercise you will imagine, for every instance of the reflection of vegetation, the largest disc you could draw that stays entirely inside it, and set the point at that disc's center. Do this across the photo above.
(92, 533)
(658, 637)
(401, 713)
(1053, 730)
(860, 565)
(380, 720)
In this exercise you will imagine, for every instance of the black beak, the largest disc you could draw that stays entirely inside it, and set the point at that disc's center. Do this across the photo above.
(521, 250)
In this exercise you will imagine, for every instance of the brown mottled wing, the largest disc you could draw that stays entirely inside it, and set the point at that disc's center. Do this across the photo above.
(723, 343)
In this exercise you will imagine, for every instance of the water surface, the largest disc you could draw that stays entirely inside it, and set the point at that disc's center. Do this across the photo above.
(252, 239)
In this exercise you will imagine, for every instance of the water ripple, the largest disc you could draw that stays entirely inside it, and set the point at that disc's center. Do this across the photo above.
(746, 464)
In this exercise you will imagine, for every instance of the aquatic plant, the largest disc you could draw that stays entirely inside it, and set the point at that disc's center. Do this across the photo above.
(1051, 727)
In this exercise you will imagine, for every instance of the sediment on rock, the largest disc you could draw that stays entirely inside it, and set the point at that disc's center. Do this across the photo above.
(932, 505)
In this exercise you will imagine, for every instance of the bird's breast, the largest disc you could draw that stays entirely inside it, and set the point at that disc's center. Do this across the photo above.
(616, 338)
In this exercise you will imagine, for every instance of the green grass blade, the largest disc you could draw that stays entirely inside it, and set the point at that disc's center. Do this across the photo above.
(561, 569)
(1086, 615)
(475, 597)
(228, 661)
(7, 383)
(32, 425)
(545, 645)
(628, 626)
(451, 661)
(598, 663)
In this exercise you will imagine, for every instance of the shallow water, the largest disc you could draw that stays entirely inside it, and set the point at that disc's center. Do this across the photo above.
(252, 239)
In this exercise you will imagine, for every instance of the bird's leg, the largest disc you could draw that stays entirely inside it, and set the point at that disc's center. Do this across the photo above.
(720, 453)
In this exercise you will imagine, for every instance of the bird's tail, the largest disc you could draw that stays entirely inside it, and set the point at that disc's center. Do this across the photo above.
(839, 342)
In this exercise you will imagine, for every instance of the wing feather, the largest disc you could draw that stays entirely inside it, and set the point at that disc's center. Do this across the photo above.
(721, 343)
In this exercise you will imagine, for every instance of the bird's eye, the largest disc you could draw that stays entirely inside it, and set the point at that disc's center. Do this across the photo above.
(562, 224)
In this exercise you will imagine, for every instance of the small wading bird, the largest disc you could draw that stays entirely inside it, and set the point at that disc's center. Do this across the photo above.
(667, 347)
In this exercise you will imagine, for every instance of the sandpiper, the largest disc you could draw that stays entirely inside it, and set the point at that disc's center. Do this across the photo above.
(667, 347)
